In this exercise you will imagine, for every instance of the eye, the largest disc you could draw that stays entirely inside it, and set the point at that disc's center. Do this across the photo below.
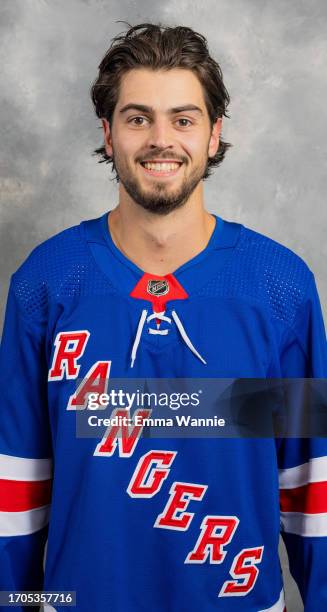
(184, 119)
(135, 120)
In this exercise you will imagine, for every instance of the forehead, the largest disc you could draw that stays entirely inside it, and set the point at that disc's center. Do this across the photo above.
(161, 89)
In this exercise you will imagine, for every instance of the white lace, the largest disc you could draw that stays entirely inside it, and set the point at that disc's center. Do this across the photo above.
(162, 332)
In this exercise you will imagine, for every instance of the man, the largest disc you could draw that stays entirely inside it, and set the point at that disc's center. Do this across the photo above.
(158, 288)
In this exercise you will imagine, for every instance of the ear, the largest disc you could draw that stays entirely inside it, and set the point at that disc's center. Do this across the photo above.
(107, 137)
(214, 138)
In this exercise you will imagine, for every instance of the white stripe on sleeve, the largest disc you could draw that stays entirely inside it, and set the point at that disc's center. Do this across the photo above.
(21, 468)
(23, 523)
(309, 525)
(315, 470)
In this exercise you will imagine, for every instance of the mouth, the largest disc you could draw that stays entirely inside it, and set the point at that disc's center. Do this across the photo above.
(161, 169)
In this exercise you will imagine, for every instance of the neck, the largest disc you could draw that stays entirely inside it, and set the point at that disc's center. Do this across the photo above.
(159, 244)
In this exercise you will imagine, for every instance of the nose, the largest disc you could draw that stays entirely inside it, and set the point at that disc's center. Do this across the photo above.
(160, 135)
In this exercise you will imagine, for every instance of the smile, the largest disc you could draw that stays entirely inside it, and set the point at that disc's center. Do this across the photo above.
(162, 168)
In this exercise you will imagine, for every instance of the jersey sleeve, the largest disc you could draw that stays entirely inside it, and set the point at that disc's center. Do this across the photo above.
(303, 462)
(25, 449)
(303, 351)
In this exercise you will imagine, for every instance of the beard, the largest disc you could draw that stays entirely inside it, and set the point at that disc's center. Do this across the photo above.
(160, 199)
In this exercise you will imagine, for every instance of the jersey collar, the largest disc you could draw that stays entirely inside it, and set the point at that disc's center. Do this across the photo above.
(124, 274)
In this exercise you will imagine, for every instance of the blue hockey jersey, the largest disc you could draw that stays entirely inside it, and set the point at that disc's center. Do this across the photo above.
(133, 523)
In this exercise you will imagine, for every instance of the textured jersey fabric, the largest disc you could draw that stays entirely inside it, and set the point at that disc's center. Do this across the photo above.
(206, 535)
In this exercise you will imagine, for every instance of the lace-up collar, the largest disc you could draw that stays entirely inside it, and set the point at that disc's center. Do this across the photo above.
(161, 316)
(187, 280)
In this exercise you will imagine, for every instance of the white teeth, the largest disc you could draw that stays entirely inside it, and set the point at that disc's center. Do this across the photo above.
(162, 167)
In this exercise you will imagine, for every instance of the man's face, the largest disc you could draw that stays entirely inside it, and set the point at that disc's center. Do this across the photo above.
(160, 138)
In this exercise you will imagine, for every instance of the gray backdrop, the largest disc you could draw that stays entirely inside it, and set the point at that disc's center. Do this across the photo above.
(273, 56)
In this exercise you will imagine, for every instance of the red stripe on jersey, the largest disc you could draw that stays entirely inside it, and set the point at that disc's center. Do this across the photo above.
(310, 499)
(20, 495)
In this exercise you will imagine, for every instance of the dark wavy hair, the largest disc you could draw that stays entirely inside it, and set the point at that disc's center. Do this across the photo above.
(155, 46)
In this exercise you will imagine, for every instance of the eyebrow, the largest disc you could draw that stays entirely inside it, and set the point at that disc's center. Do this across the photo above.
(149, 109)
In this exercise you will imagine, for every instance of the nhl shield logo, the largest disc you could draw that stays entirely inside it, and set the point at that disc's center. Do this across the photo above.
(158, 287)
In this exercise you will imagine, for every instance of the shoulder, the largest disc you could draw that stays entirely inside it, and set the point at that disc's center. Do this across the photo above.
(56, 245)
(272, 254)
(279, 274)
(51, 255)
(272, 273)
(61, 266)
